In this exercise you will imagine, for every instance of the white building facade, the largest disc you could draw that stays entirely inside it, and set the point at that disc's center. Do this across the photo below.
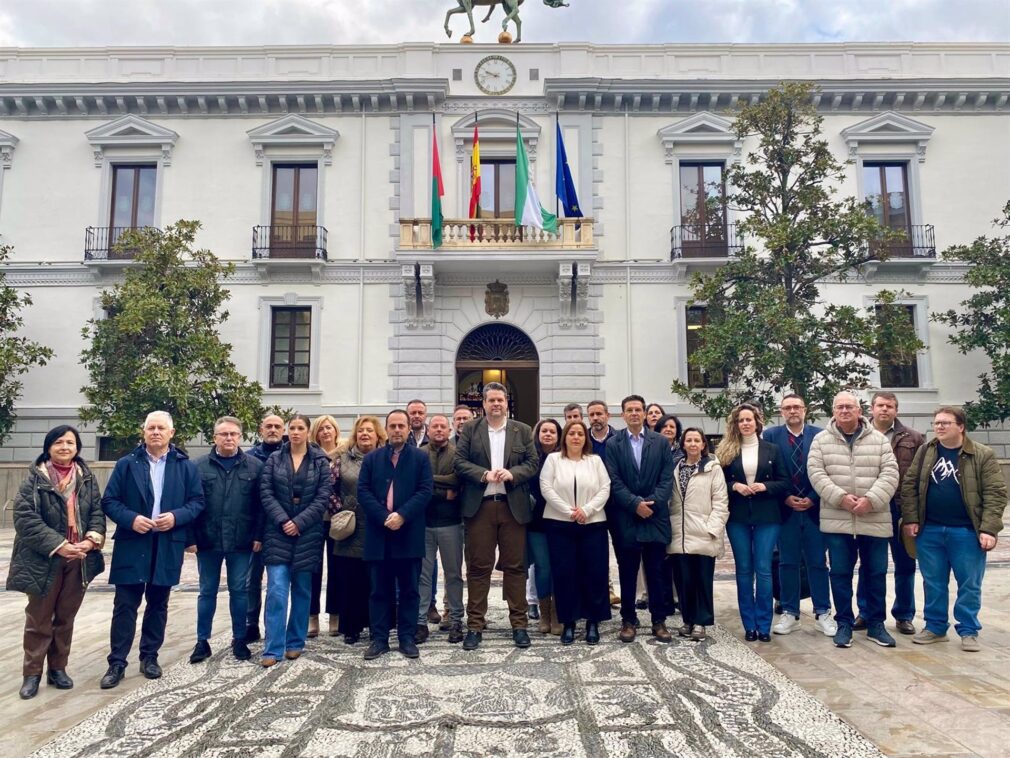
(310, 168)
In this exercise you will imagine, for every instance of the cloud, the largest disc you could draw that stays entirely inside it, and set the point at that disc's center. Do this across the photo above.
(82, 23)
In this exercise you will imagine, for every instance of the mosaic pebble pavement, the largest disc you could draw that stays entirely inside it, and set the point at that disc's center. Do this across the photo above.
(714, 698)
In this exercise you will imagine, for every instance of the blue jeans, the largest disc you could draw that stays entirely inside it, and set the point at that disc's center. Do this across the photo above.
(537, 555)
(209, 564)
(903, 608)
(942, 549)
(753, 545)
(286, 630)
(872, 552)
(801, 540)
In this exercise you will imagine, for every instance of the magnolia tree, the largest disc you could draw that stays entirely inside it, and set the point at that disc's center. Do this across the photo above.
(769, 327)
(157, 348)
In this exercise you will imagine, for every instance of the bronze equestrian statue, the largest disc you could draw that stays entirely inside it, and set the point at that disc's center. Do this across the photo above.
(511, 13)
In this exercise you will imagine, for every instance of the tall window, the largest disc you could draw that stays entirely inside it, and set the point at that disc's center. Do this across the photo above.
(294, 217)
(885, 187)
(497, 188)
(895, 372)
(133, 190)
(697, 316)
(290, 346)
(702, 209)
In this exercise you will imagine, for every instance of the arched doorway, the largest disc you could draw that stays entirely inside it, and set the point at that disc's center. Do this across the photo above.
(499, 353)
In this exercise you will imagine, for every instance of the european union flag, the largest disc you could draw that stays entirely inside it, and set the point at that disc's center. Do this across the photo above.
(564, 186)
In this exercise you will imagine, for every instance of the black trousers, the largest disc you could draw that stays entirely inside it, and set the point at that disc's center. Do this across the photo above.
(353, 597)
(388, 576)
(580, 570)
(650, 556)
(254, 585)
(693, 576)
(332, 583)
(124, 621)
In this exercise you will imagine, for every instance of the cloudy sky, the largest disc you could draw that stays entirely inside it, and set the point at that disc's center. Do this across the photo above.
(34, 23)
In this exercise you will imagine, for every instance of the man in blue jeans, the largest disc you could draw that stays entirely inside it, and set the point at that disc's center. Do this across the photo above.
(952, 503)
(800, 539)
(226, 532)
(852, 468)
(904, 442)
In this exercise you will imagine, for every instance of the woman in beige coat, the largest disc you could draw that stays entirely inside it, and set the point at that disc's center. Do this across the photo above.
(698, 513)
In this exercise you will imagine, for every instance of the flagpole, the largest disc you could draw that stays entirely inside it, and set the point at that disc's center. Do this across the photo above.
(557, 127)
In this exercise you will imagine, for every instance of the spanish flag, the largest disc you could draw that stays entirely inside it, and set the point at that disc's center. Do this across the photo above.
(474, 180)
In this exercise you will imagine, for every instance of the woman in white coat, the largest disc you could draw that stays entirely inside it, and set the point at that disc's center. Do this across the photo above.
(699, 510)
(575, 486)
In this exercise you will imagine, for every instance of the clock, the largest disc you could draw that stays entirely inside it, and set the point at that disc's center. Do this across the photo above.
(495, 75)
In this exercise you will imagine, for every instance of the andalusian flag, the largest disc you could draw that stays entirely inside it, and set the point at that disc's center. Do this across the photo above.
(437, 190)
(528, 209)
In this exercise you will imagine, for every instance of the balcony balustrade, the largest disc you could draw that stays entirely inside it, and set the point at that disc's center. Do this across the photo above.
(917, 243)
(289, 242)
(496, 234)
(704, 241)
(101, 243)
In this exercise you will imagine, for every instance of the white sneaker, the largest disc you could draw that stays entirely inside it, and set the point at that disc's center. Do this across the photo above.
(789, 623)
(826, 624)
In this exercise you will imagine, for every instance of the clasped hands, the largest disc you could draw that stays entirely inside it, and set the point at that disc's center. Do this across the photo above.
(747, 490)
(498, 475)
(75, 551)
(164, 522)
(857, 506)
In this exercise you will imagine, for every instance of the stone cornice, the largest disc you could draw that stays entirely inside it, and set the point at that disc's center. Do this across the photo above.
(870, 95)
(201, 99)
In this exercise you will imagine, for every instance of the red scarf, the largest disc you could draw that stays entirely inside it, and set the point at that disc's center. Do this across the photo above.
(64, 479)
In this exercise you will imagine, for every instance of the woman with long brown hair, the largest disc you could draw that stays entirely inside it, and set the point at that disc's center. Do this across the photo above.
(757, 482)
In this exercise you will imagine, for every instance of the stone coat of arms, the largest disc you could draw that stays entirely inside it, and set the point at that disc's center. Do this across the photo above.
(496, 299)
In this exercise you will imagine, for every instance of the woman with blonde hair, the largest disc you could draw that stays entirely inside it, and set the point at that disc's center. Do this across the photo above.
(367, 434)
(757, 481)
(325, 432)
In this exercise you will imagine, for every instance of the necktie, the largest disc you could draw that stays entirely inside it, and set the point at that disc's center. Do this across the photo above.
(389, 494)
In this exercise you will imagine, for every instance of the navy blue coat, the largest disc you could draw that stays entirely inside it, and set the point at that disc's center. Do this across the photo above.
(129, 494)
(304, 552)
(630, 485)
(412, 491)
(765, 507)
(779, 435)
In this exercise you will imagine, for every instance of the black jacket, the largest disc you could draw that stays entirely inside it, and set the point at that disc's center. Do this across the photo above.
(232, 517)
(304, 552)
(765, 507)
(40, 527)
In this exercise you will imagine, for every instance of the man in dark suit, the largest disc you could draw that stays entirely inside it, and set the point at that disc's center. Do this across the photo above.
(152, 495)
(800, 540)
(495, 458)
(640, 465)
(394, 488)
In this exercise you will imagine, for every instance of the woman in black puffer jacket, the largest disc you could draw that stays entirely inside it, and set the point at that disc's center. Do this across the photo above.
(59, 530)
(295, 491)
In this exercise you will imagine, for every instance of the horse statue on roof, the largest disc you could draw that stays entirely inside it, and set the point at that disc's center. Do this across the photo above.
(511, 13)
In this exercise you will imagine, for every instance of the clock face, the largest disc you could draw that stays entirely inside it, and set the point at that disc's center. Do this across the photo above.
(495, 75)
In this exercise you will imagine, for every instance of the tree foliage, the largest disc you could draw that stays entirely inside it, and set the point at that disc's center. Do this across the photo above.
(769, 328)
(983, 320)
(158, 347)
(17, 353)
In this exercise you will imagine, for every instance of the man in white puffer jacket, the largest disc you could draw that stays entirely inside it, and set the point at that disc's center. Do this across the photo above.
(854, 471)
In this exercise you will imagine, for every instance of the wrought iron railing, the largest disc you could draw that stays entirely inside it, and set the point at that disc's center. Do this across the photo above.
(101, 243)
(289, 241)
(917, 243)
(705, 241)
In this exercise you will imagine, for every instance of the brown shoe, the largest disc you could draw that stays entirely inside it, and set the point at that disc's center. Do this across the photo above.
(661, 633)
(859, 624)
(905, 626)
(615, 600)
(268, 662)
(546, 611)
(627, 633)
(433, 615)
(313, 626)
(292, 654)
(334, 625)
(445, 623)
(684, 630)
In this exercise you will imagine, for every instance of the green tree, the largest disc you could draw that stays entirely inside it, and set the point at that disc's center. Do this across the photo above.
(983, 320)
(769, 328)
(158, 347)
(17, 354)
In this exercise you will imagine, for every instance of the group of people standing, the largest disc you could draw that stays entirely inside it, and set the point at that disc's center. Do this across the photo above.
(404, 494)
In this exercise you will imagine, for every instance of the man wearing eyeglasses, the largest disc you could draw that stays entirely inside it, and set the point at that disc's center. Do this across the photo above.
(952, 502)
(226, 532)
(853, 469)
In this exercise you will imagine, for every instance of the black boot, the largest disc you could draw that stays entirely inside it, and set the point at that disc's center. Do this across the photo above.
(592, 633)
(568, 634)
(30, 687)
